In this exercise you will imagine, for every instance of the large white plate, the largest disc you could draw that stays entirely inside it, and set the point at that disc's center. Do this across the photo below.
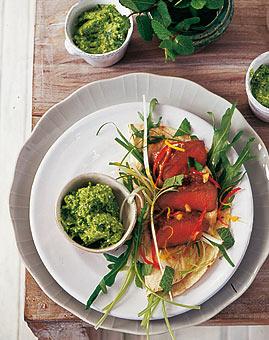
(177, 92)
(79, 151)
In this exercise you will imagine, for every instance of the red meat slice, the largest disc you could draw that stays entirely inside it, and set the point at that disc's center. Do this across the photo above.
(174, 232)
(178, 164)
(198, 196)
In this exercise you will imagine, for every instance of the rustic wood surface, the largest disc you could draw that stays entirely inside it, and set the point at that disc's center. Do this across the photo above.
(220, 68)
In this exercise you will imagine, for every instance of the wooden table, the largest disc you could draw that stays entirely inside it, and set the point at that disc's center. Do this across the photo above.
(220, 68)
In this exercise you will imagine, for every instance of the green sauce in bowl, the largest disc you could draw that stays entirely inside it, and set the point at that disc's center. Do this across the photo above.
(90, 216)
(101, 29)
(259, 85)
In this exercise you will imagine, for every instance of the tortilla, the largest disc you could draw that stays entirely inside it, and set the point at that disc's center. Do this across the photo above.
(189, 263)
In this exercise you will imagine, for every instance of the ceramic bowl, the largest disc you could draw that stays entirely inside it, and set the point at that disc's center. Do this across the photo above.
(96, 60)
(129, 211)
(257, 108)
(215, 28)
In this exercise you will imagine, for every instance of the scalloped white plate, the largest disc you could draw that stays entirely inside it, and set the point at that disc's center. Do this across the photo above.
(176, 92)
(79, 151)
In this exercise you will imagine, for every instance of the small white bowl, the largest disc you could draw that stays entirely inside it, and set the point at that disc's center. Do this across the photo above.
(257, 108)
(96, 60)
(129, 213)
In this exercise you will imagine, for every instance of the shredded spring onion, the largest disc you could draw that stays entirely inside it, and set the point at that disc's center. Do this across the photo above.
(211, 238)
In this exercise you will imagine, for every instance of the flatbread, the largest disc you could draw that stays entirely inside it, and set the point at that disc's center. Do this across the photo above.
(189, 263)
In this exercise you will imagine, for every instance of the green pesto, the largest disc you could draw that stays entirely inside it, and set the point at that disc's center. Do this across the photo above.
(101, 29)
(90, 216)
(260, 85)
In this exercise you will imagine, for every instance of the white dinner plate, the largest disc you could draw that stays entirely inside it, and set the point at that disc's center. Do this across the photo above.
(78, 151)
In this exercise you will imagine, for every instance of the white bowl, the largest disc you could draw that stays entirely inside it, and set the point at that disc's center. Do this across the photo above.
(129, 213)
(96, 60)
(257, 108)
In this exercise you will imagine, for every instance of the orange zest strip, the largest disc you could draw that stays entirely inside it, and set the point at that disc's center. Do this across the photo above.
(174, 146)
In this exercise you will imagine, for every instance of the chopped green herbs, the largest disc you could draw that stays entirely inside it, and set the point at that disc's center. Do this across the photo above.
(90, 216)
(192, 163)
(259, 84)
(101, 29)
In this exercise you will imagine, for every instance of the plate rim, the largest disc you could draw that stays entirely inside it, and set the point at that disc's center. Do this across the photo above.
(112, 324)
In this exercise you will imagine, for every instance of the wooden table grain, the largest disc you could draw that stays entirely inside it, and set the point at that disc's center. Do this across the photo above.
(221, 68)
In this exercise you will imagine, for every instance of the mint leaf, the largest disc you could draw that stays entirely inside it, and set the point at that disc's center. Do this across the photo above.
(225, 254)
(186, 24)
(138, 5)
(144, 27)
(183, 45)
(214, 4)
(184, 128)
(163, 11)
(143, 270)
(226, 236)
(174, 181)
(167, 279)
(130, 4)
(160, 30)
(182, 3)
(198, 4)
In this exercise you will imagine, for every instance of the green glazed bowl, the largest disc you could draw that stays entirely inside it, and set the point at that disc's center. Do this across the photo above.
(214, 29)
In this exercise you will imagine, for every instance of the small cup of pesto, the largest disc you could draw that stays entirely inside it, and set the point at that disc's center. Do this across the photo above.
(94, 213)
(257, 86)
(98, 31)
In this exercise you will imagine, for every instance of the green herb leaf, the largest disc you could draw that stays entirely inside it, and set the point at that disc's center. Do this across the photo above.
(231, 175)
(160, 30)
(183, 45)
(226, 236)
(184, 128)
(187, 23)
(220, 139)
(144, 27)
(143, 270)
(198, 4)
(174, 181)
(193, 163)
(225, 254)
(214, 4)
(183, 4)
(109, 279)
(164, 14)
(167, 279)
(138, 5)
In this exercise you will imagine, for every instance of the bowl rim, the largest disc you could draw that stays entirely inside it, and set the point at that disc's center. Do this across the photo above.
(97, 178)
(95, 55)
(265, 57)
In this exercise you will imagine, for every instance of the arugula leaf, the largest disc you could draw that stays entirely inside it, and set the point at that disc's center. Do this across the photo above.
(198, 4)
(164, 13)
(174, 181)
(160, 30)
(109, 279)
(184, 128)
(193, 163)
(226, 236)
(167, 279)
(214, 4)
(144, 27)
(232, 174)
(220, 139)
(185, 24)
